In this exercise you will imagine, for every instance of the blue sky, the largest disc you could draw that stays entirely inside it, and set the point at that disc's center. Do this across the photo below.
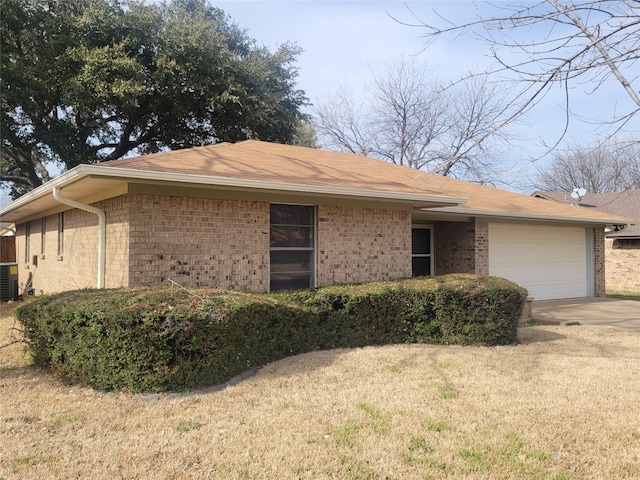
(344, 41)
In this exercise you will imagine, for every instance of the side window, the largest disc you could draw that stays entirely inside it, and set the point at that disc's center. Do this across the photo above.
(421, 251)
(27, 243)
(292, 247)
(626, 243)
(60, 235)
(43, 235)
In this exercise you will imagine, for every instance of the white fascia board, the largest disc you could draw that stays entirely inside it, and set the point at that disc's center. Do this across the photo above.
(133, 175)
(43, 190)
(531, 216)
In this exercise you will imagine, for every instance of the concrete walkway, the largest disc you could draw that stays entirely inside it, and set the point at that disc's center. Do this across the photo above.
(589, 311)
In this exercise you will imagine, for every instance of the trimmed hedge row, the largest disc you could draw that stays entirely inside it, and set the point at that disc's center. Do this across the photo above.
(161, 339)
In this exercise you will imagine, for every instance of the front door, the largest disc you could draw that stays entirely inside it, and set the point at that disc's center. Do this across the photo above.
(421, 250)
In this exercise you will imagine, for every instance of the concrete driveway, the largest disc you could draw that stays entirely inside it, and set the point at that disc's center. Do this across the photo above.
(589, 311)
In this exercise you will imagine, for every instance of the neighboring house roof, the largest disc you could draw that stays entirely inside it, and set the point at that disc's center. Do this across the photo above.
(287, 170)
(625, 204)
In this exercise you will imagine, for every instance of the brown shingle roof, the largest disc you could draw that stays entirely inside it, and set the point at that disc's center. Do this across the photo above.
(263, 161)
(625, 204)
(254, 166)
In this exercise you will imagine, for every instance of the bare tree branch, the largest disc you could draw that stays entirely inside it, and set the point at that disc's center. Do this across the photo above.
(13, 342)
(602, 167)
(572, 43)
(410, 119)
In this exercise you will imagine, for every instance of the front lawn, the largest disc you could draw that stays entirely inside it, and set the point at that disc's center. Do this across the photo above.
(562, 404)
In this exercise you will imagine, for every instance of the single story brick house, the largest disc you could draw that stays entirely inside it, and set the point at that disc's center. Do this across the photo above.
(260, 216)
(622, 243)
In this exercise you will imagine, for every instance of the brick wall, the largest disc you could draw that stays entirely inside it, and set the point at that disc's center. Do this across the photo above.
(77, 267)
(455, 250)
(599, 270)
(23, 266)
(196, 241)
(481, 242)
(461, 247)
(207, 242)
(44, 269)
(362, 244)
(213, 242)
(623, 266)
(118, 212)
(199, 242)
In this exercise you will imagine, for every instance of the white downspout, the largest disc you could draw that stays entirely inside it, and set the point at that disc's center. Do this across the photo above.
(102, 230)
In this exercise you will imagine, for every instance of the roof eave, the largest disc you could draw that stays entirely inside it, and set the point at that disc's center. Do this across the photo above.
(415, 199)
(45, 189)
(614, 220)
(84, 172)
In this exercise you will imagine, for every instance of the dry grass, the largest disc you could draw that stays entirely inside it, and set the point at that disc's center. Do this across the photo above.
(561, 405)
(624, 295)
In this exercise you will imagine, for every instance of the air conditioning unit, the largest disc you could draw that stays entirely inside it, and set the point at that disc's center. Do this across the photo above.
(8, 281)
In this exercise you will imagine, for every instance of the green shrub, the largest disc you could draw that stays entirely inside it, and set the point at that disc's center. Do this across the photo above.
(151, 339)
(473, 310)
(450, 309)
(157, 339)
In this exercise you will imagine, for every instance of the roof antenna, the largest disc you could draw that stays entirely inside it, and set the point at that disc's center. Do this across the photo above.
(578, 193)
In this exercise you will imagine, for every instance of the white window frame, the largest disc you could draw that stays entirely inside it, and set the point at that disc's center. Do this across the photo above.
(431, 255)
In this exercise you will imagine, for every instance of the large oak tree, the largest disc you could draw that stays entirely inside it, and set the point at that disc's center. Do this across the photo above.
(94, 80)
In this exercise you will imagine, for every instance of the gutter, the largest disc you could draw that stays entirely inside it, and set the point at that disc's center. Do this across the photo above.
(83, 172)
(43, 190)
(102, 230)
(471, 212)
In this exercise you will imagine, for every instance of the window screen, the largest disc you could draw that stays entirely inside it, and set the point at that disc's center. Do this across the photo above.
(292, 247)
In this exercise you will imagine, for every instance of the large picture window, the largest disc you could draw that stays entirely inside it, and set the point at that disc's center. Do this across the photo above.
(292, 239)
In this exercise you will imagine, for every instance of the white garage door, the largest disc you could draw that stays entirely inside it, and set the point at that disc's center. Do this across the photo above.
(550, 262)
